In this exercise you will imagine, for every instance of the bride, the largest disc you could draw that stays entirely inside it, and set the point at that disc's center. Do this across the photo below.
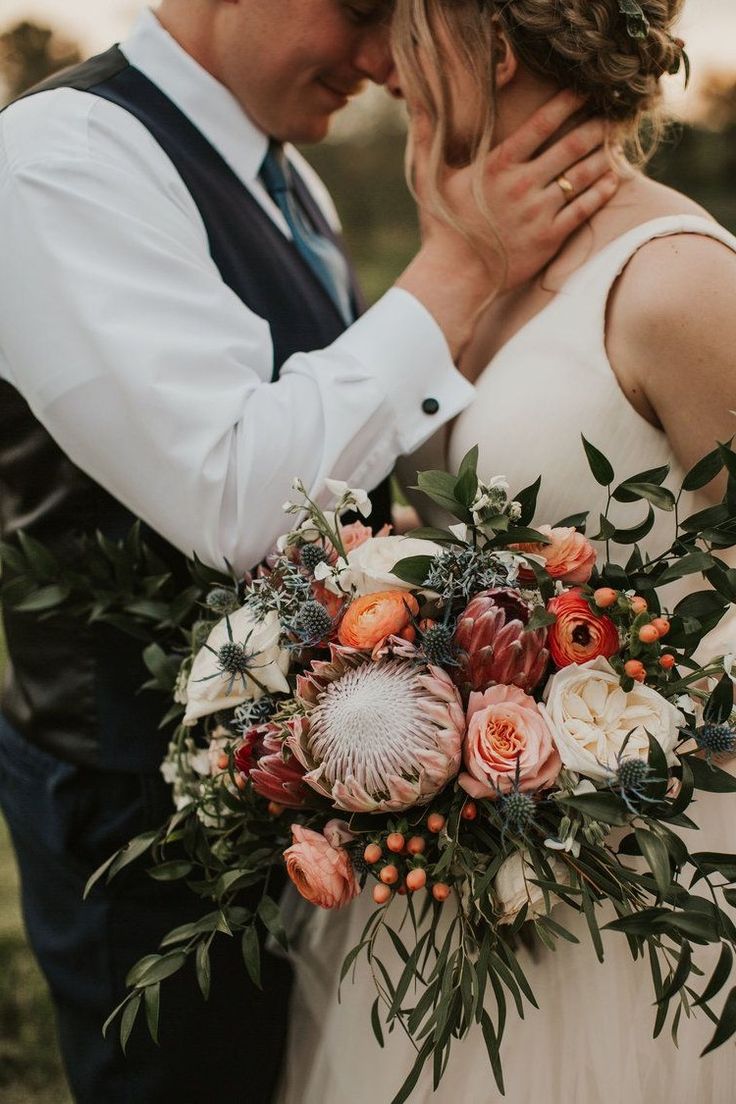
(629, 337)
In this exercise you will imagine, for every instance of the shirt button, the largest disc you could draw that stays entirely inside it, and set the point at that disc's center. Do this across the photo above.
(430, 406)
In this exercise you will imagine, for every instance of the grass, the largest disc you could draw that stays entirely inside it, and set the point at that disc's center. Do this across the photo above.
(30, 1068)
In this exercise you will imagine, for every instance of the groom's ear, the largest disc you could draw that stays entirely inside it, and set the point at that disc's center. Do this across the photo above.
(505, 61)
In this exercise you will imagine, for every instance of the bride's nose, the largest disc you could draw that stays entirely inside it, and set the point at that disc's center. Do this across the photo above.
(393, 85)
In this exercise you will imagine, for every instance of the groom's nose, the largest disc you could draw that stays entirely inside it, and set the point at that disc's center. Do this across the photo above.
(373, 58)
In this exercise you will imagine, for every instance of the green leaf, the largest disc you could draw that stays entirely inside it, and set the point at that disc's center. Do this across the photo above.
(539, 619)
(606, 529)
(42, 563)
(527, 499)
(152, 997)
(493, 1046)
(720, 704)
(127, 855)
(703, 472)
(637, 532)
(710, 779)
(440, 487)
(270, 915)
(410, 1084)
(574, 521)
(128, 1019)
(252, 954)
(204, 970)
(710, 862)
(46, 598)
(156, 968)
(376, 1023)
(466, 485)
(689, 565)
(701, 604)
(600, 466)
(719, 977)
(606, 807)
(655, 476)
(349, 960)
(658, 496)
(439, 536)
(413, 569)
(657, 856)
(726, 1024)
(170, 871)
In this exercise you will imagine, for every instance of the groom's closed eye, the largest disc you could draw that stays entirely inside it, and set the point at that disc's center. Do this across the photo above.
(368, 11)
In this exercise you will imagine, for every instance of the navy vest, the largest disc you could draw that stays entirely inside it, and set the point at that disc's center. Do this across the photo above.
(72, 689)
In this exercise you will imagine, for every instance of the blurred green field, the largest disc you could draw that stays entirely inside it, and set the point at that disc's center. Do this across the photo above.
(30, 1070)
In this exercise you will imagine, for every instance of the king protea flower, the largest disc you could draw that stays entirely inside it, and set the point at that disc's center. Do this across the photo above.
(377, 735)
(493, 646)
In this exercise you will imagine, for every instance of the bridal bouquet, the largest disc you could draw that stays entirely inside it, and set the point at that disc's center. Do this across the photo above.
(471, 726)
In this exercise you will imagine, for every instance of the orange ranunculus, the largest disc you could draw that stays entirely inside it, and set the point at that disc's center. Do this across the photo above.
(323, 874)
(369, 620)
(569, 556)
(579, 634)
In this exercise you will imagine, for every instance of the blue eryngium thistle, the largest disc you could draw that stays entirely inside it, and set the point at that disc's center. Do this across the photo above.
(222, 601)
(716, 739)
(313, 624)
(311, 555)
(437, 645)
(233, 658)
(518, 810)
(253, 713)
(631, 775)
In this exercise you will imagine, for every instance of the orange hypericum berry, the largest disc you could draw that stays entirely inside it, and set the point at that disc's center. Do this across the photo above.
(435, 822)
(635, 670)
(416, 879)
(469, 811)
(223, 761)
(662, 625)
(409, 633)
(667, 662)
(605, 597)
(426, 623)
(389, 875)
(381, 894)
(648, 634)
(395, 842)
(372, 853)
(639, 604)
(416, 845)
(275, 809)
(440, 891)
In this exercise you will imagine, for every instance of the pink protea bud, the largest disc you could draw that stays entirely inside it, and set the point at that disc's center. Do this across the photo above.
(492, 645)
(274, 771)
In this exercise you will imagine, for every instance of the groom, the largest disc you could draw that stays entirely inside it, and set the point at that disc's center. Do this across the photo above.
(179, 337)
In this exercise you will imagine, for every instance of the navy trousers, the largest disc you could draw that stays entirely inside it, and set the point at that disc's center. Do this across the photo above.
(64, 822)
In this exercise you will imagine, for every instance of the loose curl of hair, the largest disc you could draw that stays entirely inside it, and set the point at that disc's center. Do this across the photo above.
(578, 44)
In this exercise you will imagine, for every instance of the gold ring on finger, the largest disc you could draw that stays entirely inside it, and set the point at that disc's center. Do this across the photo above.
(567, 188)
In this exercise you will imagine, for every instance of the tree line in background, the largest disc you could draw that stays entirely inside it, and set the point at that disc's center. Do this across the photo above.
(364, 171)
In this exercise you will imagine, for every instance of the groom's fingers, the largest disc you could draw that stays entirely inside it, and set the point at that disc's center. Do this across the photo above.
(563, 155)
(575, 214)
(580, 177)
(525, 142)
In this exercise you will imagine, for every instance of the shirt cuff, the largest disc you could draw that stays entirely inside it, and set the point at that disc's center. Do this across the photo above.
(405, 351)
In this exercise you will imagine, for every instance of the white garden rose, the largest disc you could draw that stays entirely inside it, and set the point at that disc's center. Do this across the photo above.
(369, 566)
(211, 689)
(513, 887)
(592, 715)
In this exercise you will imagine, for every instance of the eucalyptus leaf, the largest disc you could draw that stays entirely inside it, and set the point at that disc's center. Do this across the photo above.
(726, 1024)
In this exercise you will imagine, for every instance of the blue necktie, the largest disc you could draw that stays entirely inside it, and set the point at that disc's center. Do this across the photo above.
(321, 254)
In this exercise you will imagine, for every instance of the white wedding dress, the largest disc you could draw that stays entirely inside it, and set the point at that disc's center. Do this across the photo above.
(590, 1042)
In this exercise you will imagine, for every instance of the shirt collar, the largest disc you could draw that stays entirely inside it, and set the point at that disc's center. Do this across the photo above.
(205, 102)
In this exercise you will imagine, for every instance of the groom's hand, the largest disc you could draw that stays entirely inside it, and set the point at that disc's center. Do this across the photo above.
(526, 215)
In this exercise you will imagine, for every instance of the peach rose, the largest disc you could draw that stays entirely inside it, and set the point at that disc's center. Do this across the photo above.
(356, 533)
(507, 732)
(369, 620)
(569, 556)
(323, 874)
(579, 634)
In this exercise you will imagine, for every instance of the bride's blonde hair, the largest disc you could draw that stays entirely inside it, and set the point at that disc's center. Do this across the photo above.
(580, 44)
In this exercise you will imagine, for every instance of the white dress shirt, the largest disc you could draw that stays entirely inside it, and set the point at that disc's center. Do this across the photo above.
(146, 369)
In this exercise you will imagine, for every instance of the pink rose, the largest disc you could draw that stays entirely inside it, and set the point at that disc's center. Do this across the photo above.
(506, 729)
(323, 874)
(356, 533)
(569, 556)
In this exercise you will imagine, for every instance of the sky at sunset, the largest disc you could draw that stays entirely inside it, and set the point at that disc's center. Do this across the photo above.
(708, 26)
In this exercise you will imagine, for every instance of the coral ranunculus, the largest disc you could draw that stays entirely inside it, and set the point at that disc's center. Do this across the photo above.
(569, 556)
(323, 874)
(507, 733)
(369, 620)
(579, 634)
